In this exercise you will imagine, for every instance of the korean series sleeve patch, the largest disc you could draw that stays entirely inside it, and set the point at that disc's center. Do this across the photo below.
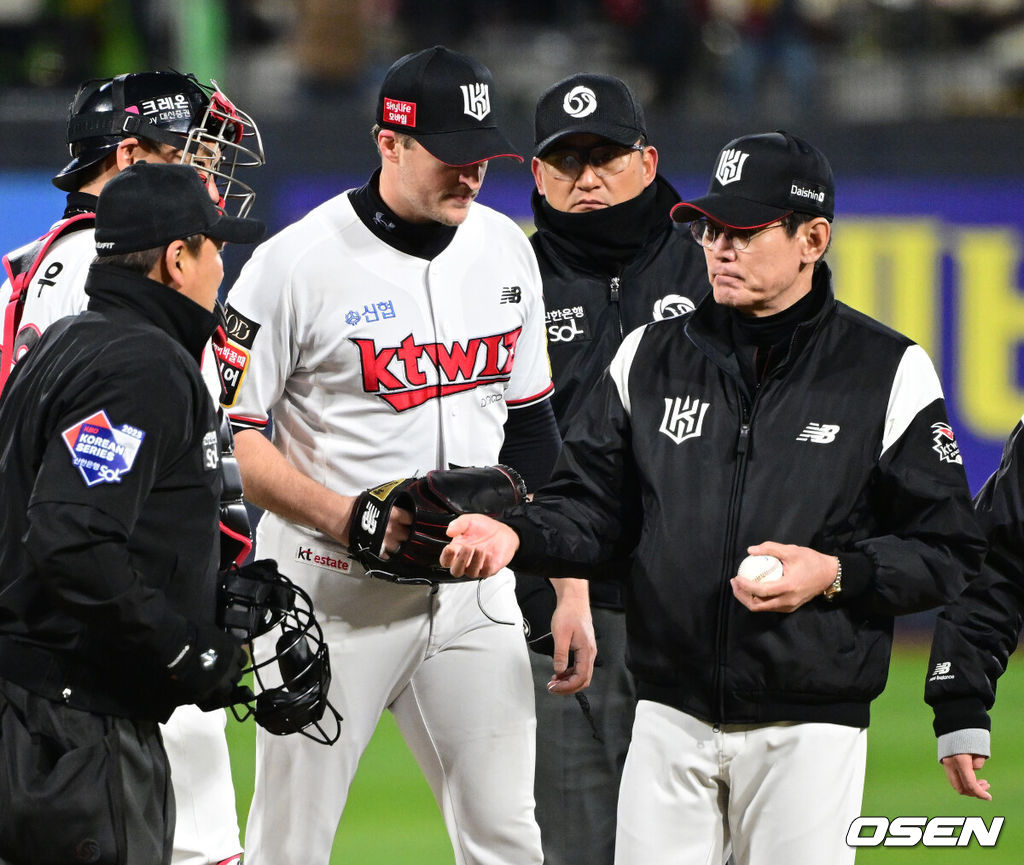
(102, 452)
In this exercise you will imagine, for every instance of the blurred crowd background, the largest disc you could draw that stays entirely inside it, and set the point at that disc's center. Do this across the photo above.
(741, 63)
(859, 59)
(919, 105)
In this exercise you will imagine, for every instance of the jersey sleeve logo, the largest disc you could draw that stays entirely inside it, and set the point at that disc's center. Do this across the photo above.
(233, 356)
(240, 330)
(232, 362)
(944, 443)
(101, 452)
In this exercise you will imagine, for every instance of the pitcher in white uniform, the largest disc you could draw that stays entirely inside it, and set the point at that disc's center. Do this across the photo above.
(398, 328)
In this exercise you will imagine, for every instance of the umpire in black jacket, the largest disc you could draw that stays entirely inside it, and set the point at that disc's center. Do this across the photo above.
(109, 528)
(611, 260)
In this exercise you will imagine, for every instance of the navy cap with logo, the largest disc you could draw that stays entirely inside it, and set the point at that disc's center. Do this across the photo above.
(152, 204)
(443, 100)
(588, 103)
(761, 178)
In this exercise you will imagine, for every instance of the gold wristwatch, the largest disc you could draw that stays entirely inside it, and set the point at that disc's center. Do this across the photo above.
(837, 584)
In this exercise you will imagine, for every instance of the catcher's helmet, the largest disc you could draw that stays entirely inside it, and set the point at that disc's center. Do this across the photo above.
(254, 601)
(169, 108)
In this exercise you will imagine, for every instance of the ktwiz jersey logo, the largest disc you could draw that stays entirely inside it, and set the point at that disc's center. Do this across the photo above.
(945, 443)
(101, 452)
(410, 374)
(683, 418)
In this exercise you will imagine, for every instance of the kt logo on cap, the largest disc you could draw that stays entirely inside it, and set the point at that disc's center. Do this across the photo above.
(476, 100)
(730, 166)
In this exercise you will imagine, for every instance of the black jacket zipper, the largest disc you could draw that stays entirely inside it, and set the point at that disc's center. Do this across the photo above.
(725, 592)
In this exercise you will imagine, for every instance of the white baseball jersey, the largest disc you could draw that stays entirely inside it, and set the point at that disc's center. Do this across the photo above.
(58, 289)
(207, 825)
(377, 364)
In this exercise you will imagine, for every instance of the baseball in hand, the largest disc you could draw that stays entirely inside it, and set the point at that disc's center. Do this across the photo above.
(760, 569)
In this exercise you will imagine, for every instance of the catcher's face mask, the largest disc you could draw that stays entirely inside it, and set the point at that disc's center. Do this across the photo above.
(256, 600)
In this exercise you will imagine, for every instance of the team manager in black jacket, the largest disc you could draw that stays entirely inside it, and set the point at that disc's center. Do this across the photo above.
(611, 260)
(110, 538)
(773, 420)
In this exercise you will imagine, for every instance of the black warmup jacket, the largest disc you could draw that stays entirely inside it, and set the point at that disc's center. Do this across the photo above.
(976, 634)
(591, 303)
(111, 488)
(845, 448)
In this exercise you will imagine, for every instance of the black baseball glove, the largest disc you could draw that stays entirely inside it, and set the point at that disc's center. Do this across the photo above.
(433, 500)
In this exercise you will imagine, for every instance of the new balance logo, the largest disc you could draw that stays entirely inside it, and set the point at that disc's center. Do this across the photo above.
(942, 672)
(511, 294)
(683, 419)
(819, 433)
(369, 520)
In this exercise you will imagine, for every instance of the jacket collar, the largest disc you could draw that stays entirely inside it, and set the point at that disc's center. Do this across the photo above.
(114, 288)
(710, 327)
(605, 241)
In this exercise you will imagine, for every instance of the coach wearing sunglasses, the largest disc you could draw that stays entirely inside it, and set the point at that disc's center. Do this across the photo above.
(611, 260)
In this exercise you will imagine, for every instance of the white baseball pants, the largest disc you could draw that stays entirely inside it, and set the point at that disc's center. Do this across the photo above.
(776, 793)
(461, 691)
(206, 828)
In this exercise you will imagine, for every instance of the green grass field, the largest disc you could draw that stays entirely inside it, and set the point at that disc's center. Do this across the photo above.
(391, 818)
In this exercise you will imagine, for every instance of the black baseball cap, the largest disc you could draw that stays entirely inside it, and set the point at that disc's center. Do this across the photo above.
(761, 178)
(151, 204)
(443, 100)
(588, 103)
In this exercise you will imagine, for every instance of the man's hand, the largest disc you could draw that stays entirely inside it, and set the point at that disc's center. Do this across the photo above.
(573, 630)
(961, 769)
(206, 670)
(480, 546)
(806, 573)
